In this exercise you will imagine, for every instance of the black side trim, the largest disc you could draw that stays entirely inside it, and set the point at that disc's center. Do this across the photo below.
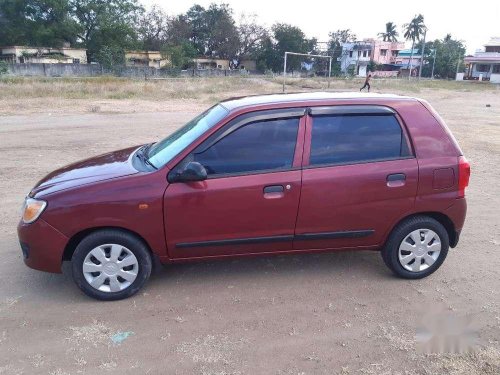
(334, 235)
(298, 237)
(236, 241)
(351, 110)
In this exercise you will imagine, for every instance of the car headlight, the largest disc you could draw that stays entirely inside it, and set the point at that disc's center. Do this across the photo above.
(32, 209)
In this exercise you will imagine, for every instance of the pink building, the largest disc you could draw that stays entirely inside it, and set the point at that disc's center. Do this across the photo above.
(385, 52)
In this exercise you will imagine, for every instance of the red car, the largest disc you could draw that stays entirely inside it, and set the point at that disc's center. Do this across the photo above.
(260, 175)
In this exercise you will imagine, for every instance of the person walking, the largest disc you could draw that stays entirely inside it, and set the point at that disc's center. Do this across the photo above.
(367, 83)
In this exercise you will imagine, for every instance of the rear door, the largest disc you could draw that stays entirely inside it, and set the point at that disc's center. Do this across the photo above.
(249, 202)
(359, 177)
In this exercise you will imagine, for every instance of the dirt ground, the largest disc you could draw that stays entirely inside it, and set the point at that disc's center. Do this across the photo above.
(338, 313)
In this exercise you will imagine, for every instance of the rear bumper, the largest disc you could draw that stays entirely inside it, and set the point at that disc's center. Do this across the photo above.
(42, 246)
(457, 213)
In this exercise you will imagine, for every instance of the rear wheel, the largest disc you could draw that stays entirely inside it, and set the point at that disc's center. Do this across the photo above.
(416, 247)
(111, 264)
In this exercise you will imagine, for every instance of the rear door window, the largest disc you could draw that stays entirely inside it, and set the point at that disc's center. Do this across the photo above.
(349, 139)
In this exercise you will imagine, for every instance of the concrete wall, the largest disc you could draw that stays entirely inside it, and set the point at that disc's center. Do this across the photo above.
(95, 70)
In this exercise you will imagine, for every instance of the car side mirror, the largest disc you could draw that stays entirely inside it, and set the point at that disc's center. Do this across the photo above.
(193, 171)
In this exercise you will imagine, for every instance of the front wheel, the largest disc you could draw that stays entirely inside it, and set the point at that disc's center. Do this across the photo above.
(111, 265)
(416, 247)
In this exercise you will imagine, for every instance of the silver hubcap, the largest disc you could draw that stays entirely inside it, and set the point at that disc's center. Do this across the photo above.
(419, 250)
(110, 268)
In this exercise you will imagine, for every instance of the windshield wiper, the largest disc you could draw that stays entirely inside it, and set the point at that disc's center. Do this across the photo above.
(142, 154)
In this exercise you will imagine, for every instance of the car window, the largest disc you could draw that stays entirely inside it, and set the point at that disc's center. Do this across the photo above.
(340, 139)
(257, 146)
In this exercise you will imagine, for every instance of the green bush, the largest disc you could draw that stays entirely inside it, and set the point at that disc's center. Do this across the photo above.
(3, 67)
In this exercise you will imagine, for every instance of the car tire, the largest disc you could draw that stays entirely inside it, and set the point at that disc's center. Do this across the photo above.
(111, 264)
(416, 247)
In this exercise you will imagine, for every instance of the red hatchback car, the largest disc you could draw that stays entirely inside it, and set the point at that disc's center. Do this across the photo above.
(260, 175)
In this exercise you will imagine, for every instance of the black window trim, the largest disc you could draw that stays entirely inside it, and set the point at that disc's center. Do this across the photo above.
(360, 110)
(239, 122)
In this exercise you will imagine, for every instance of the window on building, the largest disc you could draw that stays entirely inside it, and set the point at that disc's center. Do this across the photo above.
(262, 145)
(76, 61)
(383, 52)
(496, 68)
(482, 68)
(365, 53)
(350, 53)
(353, 139)
(395, 53)
(359, 53)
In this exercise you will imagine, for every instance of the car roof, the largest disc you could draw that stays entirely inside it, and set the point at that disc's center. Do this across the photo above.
(248, 101)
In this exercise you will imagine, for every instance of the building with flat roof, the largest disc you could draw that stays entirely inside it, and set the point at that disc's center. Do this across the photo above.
(484, 65)
(43, 55)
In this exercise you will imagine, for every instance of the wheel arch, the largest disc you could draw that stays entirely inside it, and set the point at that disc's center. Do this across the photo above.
(78, 237)
(441, 218)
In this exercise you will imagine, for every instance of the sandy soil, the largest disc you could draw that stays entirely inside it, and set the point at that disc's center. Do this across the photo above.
(339, 313)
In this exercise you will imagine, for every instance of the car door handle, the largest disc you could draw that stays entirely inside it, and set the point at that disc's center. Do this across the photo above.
(396, 179)
(274, 189)
(274, 192)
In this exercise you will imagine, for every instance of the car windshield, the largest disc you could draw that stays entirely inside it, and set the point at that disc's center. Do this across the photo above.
(165, 150)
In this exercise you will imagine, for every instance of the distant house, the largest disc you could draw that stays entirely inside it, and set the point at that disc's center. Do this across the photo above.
(152, 59)
(484, 65)
(211, 63)
(43, 55)
(248, 64)
(386, 53)
(356, 56)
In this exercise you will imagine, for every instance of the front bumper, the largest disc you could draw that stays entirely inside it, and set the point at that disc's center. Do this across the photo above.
(42, 245)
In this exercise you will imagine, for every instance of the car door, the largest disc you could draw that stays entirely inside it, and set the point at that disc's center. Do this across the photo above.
(359, 177)
(249, 201)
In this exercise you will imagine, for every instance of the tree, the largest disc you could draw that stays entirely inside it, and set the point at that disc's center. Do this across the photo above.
(180, 55)
(213, 30)
(413, 31)
(153, 28)
(448, 53)
(251, 37)
(390, 34)
(36, 23)
(292, 39)
(110, 23)
(179, 30)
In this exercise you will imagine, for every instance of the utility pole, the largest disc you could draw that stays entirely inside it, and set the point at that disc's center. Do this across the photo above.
(434, 62)
(422, 57)
(284, 73)
(329, 72)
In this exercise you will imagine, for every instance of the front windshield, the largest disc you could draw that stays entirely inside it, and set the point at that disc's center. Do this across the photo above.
(165, 150)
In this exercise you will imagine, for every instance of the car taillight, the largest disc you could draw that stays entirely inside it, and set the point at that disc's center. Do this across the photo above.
(463, 175)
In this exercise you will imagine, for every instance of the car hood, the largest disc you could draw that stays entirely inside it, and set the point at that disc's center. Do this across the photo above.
(104, 167)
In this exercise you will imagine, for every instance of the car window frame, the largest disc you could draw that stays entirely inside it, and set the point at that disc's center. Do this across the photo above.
(355, 109)
(245, 119)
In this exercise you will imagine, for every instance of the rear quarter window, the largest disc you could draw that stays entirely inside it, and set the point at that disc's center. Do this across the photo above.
(346, 139)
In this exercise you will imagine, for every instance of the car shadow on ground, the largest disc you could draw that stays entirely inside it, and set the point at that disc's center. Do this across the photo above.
(366, 265)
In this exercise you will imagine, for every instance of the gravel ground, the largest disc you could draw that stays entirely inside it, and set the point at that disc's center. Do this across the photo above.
(337, 313)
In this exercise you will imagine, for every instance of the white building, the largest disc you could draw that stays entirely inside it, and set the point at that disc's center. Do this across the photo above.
(484, 65)
(355, 57)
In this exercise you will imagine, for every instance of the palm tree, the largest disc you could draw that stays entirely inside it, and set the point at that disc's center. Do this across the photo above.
(413, 31)
(390, 34)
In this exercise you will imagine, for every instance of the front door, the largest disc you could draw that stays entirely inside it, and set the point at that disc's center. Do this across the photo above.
(249, 202)
(359, 178)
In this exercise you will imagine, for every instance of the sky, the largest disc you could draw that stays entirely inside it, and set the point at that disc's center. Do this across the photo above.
(473, 25)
